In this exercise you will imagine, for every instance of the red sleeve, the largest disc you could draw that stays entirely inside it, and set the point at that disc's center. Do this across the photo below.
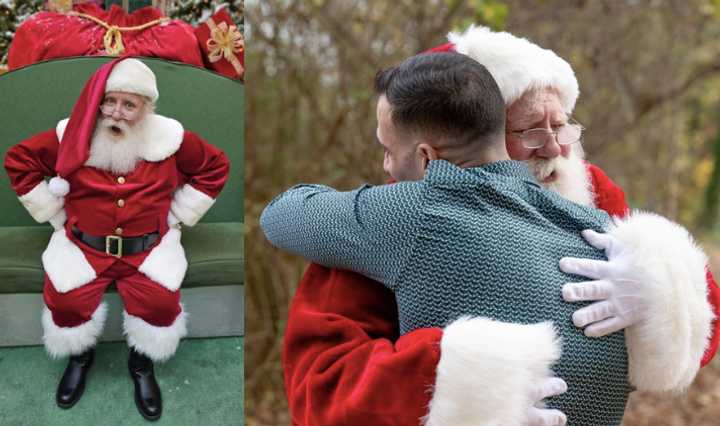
(28, 162)
(343, 361)
(714, 298)
(203, 166)
(608, 195)
(611, 198)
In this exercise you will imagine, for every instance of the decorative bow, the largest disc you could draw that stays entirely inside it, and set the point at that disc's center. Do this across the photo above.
(113, 41)
(224, 42)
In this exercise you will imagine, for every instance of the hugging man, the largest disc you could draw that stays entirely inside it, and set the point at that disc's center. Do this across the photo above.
(470, 232)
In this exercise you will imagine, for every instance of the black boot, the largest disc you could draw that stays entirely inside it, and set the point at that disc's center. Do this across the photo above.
(147, 392)
(72, 384)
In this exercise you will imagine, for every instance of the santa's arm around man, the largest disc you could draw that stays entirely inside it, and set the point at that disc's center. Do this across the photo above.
(345, 365)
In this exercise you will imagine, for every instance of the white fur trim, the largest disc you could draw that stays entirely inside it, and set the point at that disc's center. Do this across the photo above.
(162, 136)
(66, 264)
(189, 204)
(58, 186)
(665, 350)
(60, 128)
(58, 221)
(487, 370)
(41, 203)
(63, 341)
(133, 76)
(158, 343)
(166, 264)
(518, 65)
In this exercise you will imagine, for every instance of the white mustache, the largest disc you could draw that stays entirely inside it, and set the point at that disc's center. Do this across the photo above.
(109, 122)
(542, 167)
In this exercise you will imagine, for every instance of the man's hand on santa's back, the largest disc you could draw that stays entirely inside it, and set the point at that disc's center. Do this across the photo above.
(616, 289)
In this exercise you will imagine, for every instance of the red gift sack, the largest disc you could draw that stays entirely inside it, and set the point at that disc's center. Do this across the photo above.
(89, 30)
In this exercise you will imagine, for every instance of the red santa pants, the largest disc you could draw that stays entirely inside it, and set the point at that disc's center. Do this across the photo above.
(142, 297)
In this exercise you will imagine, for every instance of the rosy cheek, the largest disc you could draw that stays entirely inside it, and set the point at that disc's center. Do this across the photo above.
(565, 150)
(516, 150)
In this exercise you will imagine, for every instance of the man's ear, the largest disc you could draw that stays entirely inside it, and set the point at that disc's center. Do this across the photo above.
(427, 153)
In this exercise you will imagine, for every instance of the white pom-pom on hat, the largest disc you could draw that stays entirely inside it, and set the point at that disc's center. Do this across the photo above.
(58, 186)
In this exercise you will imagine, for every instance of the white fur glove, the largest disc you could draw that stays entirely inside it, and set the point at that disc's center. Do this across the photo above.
(544, 417)
(616, 289)
(58, 221)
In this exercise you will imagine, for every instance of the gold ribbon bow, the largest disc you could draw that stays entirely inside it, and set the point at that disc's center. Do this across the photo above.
(112, 40)
(225, 42)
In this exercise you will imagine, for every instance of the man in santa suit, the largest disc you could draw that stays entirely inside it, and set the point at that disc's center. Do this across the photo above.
(345, 365)
(123, 180)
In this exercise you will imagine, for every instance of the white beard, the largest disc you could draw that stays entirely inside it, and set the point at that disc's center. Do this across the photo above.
(571, 177)
(116, 153)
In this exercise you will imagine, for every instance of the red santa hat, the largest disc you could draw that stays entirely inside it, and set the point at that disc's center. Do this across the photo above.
(124, 74)
(516, 64)
(132, 76)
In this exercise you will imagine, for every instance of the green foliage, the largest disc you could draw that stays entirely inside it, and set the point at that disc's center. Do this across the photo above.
(12, 14)
(197, 11)
(491, 13)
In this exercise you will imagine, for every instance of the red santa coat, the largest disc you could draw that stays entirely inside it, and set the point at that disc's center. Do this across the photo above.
(179, 172)
(344, 363)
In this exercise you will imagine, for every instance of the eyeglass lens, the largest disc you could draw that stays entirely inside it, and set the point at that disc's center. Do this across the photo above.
(109, 107)
(566, 135)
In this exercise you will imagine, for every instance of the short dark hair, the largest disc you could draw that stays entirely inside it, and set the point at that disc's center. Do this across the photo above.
(447, 94)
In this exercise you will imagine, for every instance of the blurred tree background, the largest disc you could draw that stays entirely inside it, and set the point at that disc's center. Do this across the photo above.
(649, 74)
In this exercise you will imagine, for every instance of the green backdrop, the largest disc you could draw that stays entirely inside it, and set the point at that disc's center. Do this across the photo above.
(36, 97)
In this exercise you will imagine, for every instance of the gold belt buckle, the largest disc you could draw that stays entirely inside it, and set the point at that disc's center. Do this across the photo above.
(108, 241)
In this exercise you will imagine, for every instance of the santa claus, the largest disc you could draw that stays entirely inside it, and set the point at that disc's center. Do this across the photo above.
(123, 180)
(345, 365)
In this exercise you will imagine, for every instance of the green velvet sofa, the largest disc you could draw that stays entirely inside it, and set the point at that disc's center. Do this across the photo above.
(35, 98)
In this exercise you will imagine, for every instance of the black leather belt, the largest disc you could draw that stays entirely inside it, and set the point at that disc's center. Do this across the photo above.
(116, 245)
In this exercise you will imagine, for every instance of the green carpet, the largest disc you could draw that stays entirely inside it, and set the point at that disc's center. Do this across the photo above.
(201, 386)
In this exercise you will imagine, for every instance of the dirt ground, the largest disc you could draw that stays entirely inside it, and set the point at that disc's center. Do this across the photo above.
(699, 407)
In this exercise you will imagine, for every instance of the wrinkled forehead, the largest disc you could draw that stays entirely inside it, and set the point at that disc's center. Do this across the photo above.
(125, 96)
(534, 107)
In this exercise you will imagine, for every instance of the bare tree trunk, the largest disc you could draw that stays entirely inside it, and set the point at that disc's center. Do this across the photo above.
(711, 201)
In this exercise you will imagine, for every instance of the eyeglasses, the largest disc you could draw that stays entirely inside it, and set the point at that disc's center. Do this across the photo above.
(567, 134)
(127, 109)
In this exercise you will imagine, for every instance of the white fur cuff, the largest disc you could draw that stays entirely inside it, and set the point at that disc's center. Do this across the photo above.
(63, 341)
(41, 203)
(665, 349)
(189, 204)
(158, 343)
(166, 264)
(487, 370)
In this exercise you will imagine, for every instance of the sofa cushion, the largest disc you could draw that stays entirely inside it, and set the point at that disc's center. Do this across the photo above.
(214, 252)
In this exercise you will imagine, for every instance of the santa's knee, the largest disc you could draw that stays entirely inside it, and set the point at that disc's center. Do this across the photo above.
(70, 309)
(162, 310)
